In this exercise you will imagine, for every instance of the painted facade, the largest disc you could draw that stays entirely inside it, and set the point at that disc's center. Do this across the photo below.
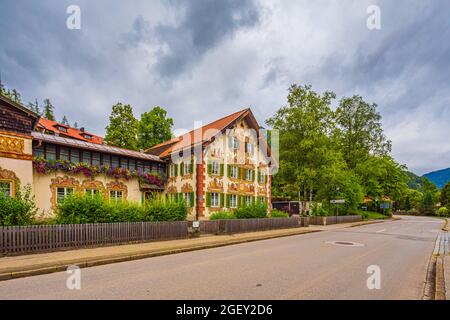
(221, 166)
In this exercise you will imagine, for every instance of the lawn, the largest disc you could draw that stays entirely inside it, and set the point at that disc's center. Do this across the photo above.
(375, 215)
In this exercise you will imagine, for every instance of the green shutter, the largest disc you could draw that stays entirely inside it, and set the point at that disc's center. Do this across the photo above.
(209, 168)
(176, 170)
(227, 201)
(192, 165)
(192, 199)
(241, 173)
(266, 178)
(222, 169)
(228, 170)
(182, 169)
(222, 200)
(208, 199)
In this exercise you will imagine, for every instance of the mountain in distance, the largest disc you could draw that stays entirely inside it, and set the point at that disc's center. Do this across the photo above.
(440, 177)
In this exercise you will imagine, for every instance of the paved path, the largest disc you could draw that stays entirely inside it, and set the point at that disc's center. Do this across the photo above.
(296, 267)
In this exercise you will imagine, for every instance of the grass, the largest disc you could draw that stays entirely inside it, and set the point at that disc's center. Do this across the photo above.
(375, 215)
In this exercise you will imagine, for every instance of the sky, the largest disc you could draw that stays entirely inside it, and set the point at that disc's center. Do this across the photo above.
(204, 59)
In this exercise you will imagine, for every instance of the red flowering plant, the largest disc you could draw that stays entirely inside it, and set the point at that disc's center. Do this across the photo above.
(43, 166)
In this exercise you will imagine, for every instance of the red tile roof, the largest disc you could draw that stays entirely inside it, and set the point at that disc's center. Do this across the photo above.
(200, 135)
(53, 126)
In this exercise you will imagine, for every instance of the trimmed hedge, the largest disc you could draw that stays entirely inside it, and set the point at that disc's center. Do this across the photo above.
(87, 209)
(222, 215)
(279, 214)
(258, 210)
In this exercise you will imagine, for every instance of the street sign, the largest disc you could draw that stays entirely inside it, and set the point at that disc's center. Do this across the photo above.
(385, 205)
(339, 201)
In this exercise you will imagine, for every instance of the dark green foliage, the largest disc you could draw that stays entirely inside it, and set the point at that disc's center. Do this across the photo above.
(19, 210)
(87, 209)
(222, 215)
(279, 214)
(154, 127)
(122, 129)
(427, 206)
(445, 196)
(258, 210)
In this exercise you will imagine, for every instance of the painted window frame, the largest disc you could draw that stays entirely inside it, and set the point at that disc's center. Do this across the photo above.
(234, 172)
(114, 196)
(10, 184)
(215, 200)
(248, 200)
(233, 203)
(65, 193)
(215, 165)
(248, 175)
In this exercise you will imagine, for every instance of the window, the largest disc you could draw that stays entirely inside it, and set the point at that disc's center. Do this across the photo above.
(248, 200)
(249, 148)
(233, 201)
(92, 192)
(235, 143)
(262, 177)
(115, 196)
(62, 194)
(95, 159)
(140, 166)
(50, 152)
(248, 175)
(87, 136)
(114, 161)
(147, 167)
(86, 157)
(106, 160)
(63, 129)
(187, 198)
(215, 200)
(132, 164)
(215, 168)
(262, 200)
(124, 163)
(38, 152)
(6, 188)
(74, 155)
(64, 154)
(187, 168)
(234, 172)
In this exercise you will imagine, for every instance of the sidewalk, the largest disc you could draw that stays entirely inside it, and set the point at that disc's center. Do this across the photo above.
(28, 265)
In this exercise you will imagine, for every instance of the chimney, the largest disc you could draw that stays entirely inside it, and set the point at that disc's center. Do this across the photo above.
(82, 129)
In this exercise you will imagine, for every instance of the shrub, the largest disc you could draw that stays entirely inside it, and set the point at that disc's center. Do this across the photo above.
(222, 215)
(253, 211)
(17, 210)
(86, 209)
(279, 214)
(443, 212)
(319, 210)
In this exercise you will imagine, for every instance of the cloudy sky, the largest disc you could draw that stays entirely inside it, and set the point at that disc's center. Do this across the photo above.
(203, 59)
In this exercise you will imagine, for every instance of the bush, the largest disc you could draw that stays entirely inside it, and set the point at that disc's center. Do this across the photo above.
(319, 210)
(253, 211)
(86, 209)
(279, 214)
(19, 210)
(222, 215)
(443, 212)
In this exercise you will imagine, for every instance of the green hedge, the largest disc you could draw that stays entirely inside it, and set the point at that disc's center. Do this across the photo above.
(86, 209)
(279, 214)
(258, 210)
(18, 210)
(222, 215)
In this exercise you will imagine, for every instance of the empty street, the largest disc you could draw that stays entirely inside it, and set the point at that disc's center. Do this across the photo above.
(321, 265)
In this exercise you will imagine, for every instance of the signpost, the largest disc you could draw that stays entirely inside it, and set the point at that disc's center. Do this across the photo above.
(337, 202)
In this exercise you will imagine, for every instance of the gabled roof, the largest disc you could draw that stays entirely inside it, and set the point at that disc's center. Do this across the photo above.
(203, 134)
(22, 108)
(76, 143)
(73, 133)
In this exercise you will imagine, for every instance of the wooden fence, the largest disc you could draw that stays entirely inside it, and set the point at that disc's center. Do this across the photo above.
(333, 219)
(249, 225)
(33, 239)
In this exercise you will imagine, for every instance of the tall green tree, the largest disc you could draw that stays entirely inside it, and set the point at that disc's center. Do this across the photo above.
(75, 125)
(445, 196)
(49, 110)
(122, 128)
(154, 127)
(65, 121)
(359, 130)
(305, 148)
(16, 96)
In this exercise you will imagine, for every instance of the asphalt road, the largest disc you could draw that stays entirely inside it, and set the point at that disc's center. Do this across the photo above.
(297, 267)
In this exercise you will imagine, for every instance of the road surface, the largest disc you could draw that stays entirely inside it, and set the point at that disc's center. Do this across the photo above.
(298, 267)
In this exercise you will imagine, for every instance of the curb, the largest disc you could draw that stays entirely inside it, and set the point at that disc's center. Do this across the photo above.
(123, 258)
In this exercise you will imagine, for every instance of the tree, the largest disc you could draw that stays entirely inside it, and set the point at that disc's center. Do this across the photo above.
(154, 128)
(359, 130)
(445, 196)
(427, 206)
(75, 125)
(122, 128)
(65, 121)
(49, 110)
(305, 148)
(16, 96)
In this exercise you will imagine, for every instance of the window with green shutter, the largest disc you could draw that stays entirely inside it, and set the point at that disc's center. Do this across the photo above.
(192, 199)
(176, 170)
(209, 169)
(208, 199)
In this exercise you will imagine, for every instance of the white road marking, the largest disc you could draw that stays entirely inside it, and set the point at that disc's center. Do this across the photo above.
(379, 231)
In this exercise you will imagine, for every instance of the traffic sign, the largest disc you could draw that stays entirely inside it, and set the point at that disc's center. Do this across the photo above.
(338, 201)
